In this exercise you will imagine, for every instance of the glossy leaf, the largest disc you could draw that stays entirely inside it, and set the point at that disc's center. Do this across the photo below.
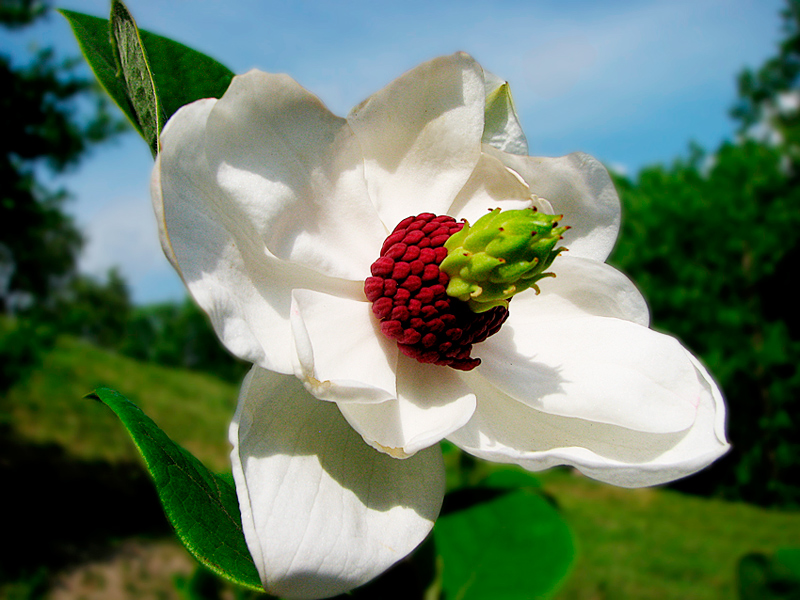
(135, 71)
(505, 544)
(181, 75)
(202, 507)
(93, 37)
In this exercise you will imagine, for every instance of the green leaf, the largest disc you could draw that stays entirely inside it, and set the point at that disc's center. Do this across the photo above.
(181, 75)
(201, 506)
(93, 38)
(135, 71)
(505, 545)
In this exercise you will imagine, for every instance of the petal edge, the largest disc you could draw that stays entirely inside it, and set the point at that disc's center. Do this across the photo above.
(322, 512)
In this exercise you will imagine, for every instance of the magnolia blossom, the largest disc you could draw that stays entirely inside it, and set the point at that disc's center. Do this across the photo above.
(272, 210)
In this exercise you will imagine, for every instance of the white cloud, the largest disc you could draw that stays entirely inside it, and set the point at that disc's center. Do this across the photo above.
(123, 234)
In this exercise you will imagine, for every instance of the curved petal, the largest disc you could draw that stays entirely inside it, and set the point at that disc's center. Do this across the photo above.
(421, 137)
(711, 414)
(342, 354)
(490, 186)
(598, 369)
(245, 290)
(582, 287)
(292, 171)
(431, 403)
(504, 430)
(579, 187)
(322, 512)
(157, 198)
(502, 128)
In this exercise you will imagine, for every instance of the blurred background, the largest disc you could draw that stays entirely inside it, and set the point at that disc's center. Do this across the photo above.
(693, 105)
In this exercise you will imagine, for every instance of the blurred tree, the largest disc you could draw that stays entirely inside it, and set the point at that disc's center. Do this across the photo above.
(45, 127)
(96, 311)
(14, 13)
(769, 98)
(713, 241)
(179, 335)
(707, 247)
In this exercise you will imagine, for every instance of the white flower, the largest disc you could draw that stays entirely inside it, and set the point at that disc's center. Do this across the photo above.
(272, 210)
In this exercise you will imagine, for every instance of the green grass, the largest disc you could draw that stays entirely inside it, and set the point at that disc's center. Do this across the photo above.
(658, 544)
(49, 407)
(632, 544)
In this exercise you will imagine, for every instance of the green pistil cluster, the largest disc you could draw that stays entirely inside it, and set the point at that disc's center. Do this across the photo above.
(502, 254)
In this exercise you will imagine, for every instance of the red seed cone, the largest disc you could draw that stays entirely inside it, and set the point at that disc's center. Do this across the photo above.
(407, 291)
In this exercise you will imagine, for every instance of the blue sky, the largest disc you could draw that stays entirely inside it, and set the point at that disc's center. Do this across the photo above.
(629, 81)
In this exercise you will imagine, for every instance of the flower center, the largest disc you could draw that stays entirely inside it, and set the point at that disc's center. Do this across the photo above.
(502, 254)
(408, 294)
(441, 286)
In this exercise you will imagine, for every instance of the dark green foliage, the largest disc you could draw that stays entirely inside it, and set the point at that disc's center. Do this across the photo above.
(201, 506)
(713, 253)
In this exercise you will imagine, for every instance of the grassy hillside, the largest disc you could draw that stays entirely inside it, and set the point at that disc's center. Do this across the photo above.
(633, 544)
(50, 406)
(655, 544)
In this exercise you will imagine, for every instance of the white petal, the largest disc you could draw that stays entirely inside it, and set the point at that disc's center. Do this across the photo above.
(421, 137)
(431, 403)
(342, 354)
(157, 199)
(245, 290)
(578, 187)
(582, 287)
(490, 186)
(504, 430)
(594, 368)
(708, 433)
(322, 512)
(292, 171)
(502, 128)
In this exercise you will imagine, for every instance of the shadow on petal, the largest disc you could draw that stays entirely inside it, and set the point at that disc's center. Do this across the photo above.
(322, 511)
(521, 431)
(513, 370)
(299, 425)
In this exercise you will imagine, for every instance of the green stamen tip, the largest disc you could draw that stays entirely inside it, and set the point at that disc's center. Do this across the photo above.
(502, 254)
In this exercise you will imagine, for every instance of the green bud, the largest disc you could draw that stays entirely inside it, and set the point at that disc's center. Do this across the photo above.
(502, 254)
